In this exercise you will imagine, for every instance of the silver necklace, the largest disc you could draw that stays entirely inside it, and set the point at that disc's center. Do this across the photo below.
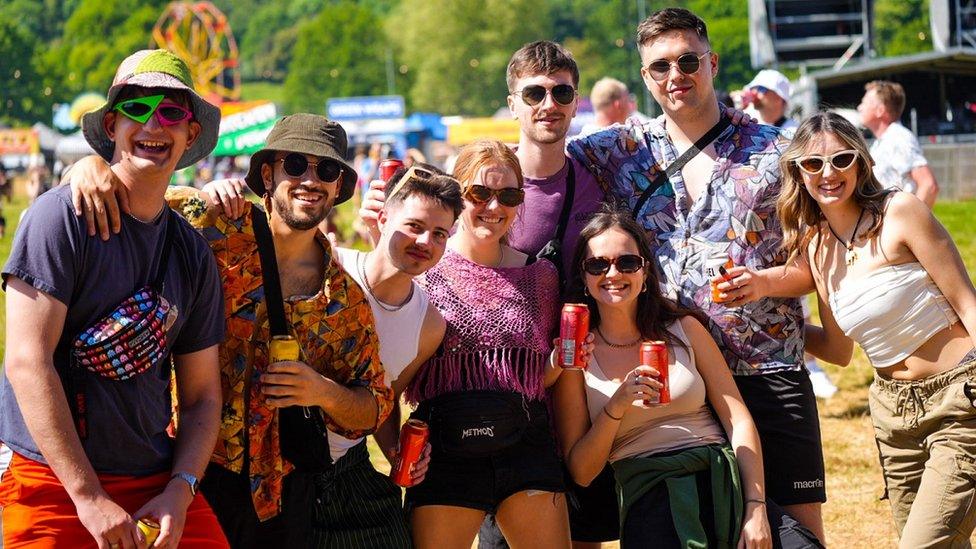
(362, 272)
(618, 345)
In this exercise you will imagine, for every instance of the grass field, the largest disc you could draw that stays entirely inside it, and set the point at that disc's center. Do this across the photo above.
(854, 515)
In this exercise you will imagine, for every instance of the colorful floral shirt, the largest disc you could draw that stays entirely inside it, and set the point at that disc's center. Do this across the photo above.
(334, 329)
(735, 214)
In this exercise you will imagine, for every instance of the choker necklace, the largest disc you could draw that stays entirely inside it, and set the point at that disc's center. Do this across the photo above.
(362, 272)
(618, 345)
(851, 256)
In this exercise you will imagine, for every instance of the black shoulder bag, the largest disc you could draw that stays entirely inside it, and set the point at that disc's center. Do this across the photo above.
(553, 250)
(703, 142)
(304, 439)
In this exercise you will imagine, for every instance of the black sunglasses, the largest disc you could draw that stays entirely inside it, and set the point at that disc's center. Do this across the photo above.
(295, 165)
(628, 263)
(688, 63)
(509, 196)
(564, 94)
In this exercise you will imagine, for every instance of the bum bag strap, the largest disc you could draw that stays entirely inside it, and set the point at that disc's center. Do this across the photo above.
(269, 274)
(171, 222)
(662, 177)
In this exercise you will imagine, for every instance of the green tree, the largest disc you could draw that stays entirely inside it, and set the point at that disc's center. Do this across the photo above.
(339, 53)
(19, 96)
(901, 27)
(457, 50)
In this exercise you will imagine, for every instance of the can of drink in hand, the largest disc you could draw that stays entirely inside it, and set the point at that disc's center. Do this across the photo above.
(574, 324)
(389, 167)
(413, 438)
(712, 264)
(282, 348)
(149, 529)
(655, 355)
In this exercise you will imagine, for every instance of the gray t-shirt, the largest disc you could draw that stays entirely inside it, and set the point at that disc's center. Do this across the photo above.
(52, 252)
(538, 216)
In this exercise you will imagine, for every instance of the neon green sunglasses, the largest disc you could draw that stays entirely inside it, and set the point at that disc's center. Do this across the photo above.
(141, 109)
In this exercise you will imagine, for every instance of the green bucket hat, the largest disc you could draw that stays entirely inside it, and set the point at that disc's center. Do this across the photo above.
(155, 69)
(306, 134)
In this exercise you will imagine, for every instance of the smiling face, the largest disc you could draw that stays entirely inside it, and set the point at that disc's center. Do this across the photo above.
(150, 148)
(679, 92)
(490, 220)
(414, 233)
(547, 122)
(614, 288)
(302, 201)
(831, 187)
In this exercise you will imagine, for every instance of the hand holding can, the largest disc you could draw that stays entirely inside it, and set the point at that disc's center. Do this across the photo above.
(574, 325)
(714, 267)
(655, 355)
(413, 438)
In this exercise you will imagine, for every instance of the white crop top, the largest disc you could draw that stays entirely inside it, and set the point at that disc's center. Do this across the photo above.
(684, 423)
(891, 312)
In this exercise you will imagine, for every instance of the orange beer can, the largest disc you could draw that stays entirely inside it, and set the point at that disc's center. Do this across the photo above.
(413, 438)
(655, 355)
(712, 265)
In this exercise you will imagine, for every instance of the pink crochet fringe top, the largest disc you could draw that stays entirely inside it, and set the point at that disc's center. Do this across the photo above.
(500, 325)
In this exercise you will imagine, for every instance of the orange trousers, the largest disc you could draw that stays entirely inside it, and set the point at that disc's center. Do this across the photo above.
(37, 512)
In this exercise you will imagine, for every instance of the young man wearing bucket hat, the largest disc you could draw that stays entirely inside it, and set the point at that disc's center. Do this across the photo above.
(259, 495)
(84, 403)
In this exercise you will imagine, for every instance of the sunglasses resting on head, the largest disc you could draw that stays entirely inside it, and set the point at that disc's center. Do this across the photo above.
(141, 109)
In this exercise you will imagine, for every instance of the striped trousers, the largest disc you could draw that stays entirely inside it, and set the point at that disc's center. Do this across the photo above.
(356, 507)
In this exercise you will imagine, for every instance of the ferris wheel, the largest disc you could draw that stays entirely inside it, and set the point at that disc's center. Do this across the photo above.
(199, 33)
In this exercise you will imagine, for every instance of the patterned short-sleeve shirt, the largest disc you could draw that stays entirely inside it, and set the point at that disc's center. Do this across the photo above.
(334, 328)
(735, 214)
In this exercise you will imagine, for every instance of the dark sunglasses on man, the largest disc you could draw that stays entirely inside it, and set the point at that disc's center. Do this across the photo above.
(563, 94)
(509, 196)
(597, 266)
(688, 64)
(296, 165)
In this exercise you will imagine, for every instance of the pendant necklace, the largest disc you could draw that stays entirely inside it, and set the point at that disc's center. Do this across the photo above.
(850, 256)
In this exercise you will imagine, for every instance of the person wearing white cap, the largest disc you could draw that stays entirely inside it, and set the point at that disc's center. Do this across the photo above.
(769, 94)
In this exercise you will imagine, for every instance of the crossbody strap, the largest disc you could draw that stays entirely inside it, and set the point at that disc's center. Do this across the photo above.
(703, 142)
(567, 202)
(269, 274)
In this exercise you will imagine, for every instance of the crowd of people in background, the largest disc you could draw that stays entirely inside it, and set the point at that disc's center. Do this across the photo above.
(203, 369)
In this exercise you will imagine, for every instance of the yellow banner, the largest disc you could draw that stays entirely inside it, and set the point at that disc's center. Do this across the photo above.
(472, 129)
(19, 142)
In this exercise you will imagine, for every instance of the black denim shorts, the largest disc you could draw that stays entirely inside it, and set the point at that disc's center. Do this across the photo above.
(484, 482)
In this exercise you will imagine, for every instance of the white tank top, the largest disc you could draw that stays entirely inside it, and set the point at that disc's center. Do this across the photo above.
(891, 312)
(686, 422)
(398, 332)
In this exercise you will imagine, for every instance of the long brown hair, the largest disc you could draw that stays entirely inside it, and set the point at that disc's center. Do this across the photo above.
(654, 311)
(799, 214)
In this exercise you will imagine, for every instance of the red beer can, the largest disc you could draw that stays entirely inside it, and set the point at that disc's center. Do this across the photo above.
(655, 355)
(574, 324)
(389, 167)
(413, 438)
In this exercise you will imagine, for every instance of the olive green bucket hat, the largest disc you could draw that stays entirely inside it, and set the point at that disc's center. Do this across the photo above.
(155, 69)
(306, 134)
